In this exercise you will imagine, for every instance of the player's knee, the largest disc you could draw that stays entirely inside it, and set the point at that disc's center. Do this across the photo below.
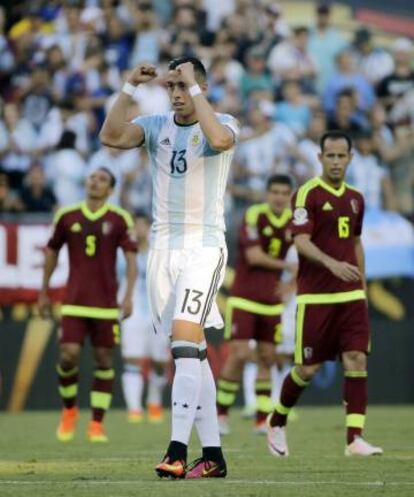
(266, 356)
(68, 357)
(240, 352)
(354, 360)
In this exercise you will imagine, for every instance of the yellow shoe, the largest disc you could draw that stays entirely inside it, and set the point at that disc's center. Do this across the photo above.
(135, 416)
(96, 432)
(67, 424)
(155, 413)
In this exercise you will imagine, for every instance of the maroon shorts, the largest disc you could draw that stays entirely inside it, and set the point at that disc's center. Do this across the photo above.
(323, 331)
(102, 332)
(249, 326)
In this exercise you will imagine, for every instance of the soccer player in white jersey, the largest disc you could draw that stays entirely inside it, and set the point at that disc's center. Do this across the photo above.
(140, 343)
(190, 149)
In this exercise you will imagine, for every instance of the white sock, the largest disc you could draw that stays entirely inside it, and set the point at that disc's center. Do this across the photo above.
(133, 385)
(185, 389)
(249, 383)
(277, 378)
(206, 421)
(156, 383)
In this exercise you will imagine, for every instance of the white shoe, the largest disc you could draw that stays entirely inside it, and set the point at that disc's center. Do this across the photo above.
(224, 426)
(359, 447)
(276, 439)
(248, 412)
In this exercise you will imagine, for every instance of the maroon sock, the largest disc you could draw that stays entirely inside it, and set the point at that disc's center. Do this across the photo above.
(355, 400)
(292, 388)
(101, 394)
(68, 385)
(263, 391)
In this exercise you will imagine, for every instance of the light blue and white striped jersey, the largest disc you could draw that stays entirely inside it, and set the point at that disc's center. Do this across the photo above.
(189, 182)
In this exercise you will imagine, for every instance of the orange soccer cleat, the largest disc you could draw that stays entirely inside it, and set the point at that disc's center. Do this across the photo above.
(67, 425)
(135, 416)
(96, 432)
(155, 413)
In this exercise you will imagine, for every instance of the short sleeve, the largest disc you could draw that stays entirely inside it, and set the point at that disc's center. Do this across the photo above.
(232, 123)
(127, 239)
(58, 238)
(303, 215)
(360, 217)
(249, 235)
(149, 124)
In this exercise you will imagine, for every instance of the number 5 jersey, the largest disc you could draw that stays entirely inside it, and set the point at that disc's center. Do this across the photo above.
(92, 239)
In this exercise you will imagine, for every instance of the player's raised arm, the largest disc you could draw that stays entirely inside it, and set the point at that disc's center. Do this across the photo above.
(116, 131)
(219, 136)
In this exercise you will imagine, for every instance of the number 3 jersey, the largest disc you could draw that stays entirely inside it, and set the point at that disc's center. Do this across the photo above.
(189, 182)
(333, 219)
(261, 227)
(92, 239)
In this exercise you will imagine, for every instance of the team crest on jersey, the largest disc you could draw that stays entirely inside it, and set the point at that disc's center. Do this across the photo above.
(106, 228)
(300, 216)
(267, 231)
(308, 352)
(76, 228)
(195, 140)
(354, 206)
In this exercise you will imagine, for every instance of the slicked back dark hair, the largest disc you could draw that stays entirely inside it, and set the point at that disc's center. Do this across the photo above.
(280, 179)
(335, 134)
(199, 68)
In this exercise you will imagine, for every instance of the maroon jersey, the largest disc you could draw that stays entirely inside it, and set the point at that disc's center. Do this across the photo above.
(92, 239)
(261, 227)
(333, 219)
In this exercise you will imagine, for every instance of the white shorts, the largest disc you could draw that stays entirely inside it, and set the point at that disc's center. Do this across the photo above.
(183, 284)
(138, 339)
(287, 346)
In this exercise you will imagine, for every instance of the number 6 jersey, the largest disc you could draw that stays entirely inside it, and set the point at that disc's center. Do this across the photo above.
(189, 182)
(333, 219)
(92, 239)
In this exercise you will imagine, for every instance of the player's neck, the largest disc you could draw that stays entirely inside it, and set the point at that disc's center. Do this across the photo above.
(185, 120)
(95, 204)
(334, 184)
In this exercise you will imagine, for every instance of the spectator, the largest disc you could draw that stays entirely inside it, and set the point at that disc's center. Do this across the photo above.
(401, 81)
(67, 171)
(366, 173)
(36, 195)
(148, 38)
(293, 110)
(9, 200)
(117, 42)
(256, 78)
(345, 115)
(122, 164)
(347, 76)
(291, 60)
(325, 43)
(373, 62)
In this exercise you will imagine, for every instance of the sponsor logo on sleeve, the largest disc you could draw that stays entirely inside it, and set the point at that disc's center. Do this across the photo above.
(300, 216)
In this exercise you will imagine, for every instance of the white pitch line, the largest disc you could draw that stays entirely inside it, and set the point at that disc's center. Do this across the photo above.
(228, 482)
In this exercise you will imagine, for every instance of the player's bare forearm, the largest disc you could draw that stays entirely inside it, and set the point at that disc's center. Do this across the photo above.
(131, 273)
(360, 257)
(257, 257)
(219, 137)
(341, 269)
(51, 259)
(116, 131)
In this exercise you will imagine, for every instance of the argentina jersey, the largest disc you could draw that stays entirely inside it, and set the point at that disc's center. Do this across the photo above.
(189, 182)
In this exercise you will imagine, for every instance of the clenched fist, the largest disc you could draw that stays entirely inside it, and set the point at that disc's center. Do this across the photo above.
(142, 74)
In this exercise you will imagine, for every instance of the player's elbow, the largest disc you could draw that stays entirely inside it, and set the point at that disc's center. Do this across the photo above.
(221, 143)
(110, 140)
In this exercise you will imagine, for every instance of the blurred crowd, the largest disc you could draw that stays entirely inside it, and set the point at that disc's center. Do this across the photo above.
(62, 62)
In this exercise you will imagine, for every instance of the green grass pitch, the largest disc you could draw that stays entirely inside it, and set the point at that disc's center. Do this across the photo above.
(33, 463)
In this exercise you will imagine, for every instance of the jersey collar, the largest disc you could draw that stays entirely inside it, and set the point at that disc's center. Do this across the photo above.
(338, 192)
(278, 221)
(93, 216)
